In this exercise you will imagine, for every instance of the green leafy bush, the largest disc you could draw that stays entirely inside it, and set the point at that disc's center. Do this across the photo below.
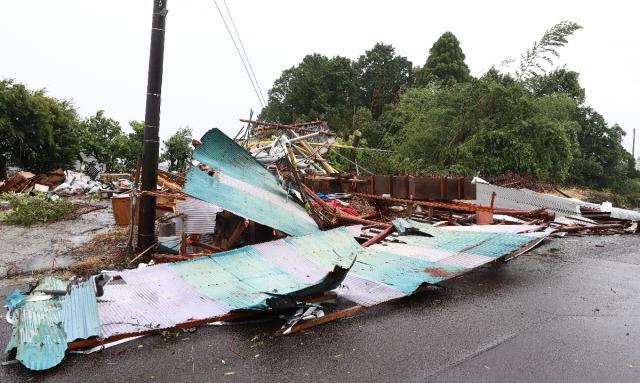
(27, 210)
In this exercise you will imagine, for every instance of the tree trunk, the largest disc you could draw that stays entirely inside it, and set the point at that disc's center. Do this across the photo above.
(3, 168)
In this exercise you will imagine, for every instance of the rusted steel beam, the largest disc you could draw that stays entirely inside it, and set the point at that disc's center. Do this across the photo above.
(375, 214)
(459, 206)
(349, 312)
(382, 235)
(205, 246)
(318, 200)
(170, 258)
(163, 195)
(357, 220)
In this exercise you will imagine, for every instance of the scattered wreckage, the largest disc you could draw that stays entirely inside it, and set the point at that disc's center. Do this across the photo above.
(255, 229)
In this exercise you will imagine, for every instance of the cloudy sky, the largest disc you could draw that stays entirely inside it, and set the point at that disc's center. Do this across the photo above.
(96, 52)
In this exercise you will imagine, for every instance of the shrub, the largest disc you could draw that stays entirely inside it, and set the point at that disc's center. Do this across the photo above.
(27, 210)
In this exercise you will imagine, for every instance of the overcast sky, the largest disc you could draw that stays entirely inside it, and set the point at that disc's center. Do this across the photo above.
(96, 52)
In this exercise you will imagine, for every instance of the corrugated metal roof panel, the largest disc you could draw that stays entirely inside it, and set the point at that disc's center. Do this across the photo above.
(529, 199)
(198, 217)
(165, 295)
(407, 262)
(80, 312)
(152, 297)
(37, 334)
(244, 187)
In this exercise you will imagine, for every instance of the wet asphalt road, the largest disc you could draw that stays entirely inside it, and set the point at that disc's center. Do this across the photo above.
(567, 312)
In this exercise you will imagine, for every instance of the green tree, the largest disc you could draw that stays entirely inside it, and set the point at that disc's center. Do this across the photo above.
(383, 76)
(445, 64)
(317, 88)
(177, 150)
(544, 51)
(558, 81)
(103, 138)
(603, 161)
(133, 146)
(37, 132)
(486, 127)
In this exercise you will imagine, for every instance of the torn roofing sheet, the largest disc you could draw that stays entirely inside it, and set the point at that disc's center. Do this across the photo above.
(248, 278)
(391, 270)
(244, 187)
(529, 200)
(44, 324)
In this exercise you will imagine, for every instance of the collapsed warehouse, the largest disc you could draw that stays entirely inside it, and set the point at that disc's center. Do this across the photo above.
(263, 224)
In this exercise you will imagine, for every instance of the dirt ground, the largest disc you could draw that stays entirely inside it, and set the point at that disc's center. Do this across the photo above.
(50, 246)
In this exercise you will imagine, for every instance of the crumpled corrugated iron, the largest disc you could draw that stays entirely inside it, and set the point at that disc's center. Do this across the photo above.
(45, 322)
(241, 185)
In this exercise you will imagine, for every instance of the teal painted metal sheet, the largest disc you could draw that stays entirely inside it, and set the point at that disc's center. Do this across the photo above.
(37, 334)
(244, 187)
(44, 324)
(80, 312)
(487, 244)
(403, 273)
(399, 266)
(246, 278)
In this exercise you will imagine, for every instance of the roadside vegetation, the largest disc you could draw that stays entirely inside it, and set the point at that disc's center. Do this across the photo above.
(439, 119)
(527, 116)
(26, 210)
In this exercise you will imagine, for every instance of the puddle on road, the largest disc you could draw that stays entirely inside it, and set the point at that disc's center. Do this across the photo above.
(45, 262)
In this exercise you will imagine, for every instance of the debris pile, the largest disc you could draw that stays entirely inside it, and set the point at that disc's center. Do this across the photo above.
(259, 226)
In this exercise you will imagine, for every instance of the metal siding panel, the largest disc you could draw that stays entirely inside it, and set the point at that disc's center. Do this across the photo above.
(276, 211)
(288, 258)
(238, 278)
(367, 292)
(80, 312)
(152, 297)
(404, 273)
(198, 217)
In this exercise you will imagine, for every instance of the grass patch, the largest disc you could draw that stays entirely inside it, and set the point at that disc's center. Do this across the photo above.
(27, 210)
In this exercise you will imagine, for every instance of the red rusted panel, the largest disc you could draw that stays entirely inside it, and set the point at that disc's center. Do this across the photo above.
(425, 188)
(400, 186)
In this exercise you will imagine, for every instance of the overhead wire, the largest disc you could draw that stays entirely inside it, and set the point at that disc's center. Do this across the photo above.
(246, 56)
(239, 54)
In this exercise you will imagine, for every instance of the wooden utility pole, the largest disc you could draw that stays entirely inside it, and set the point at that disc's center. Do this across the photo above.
(633, 146)
(151, 145)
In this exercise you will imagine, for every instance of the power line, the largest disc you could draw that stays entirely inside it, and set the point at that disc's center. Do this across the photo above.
(233, 24)
(239, 54)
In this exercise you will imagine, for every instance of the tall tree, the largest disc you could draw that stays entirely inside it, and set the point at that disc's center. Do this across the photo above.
(177, 149)
(383, 75)
(603, 161)
(445, 64)
(37, 132)
(317, 88)
(558, 81)
(103, 139)
(544, 51)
